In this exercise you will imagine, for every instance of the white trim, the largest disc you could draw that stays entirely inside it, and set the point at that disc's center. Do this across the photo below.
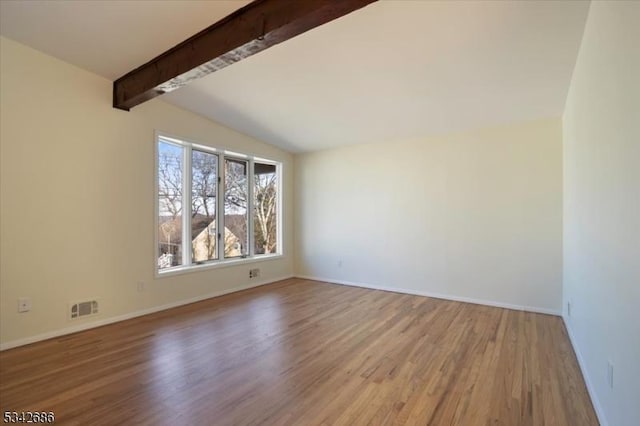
(437, 295)
(220, 226)
(180, 140)
(156, 202)
(215, 264)
(280, 247)
(187, 178)
(583, 368)
(86, 326)
(251, 211)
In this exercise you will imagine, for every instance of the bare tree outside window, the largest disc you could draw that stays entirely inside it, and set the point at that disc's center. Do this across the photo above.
(265, 205)
(169, 205)
(236, 194)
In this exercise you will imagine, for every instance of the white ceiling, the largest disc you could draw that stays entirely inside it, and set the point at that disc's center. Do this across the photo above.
(108, 37)
(393, 70)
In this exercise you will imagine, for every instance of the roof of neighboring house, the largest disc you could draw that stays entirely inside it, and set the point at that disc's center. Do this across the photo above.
(172, 228)
(237, 225)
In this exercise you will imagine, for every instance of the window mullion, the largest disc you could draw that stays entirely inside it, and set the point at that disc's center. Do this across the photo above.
(186, 206)
(220, 207)
(250, 212)
(279, 210)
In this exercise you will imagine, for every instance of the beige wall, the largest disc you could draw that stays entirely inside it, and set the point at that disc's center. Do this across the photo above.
(602, 209)
(77, 202)
(474, 216)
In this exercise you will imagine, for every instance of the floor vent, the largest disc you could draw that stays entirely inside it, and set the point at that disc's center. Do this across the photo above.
(83, 309)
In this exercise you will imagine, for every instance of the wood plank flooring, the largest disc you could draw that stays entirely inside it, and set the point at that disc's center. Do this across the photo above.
(300, 352)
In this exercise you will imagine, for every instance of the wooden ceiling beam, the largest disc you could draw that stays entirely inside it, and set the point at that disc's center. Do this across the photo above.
(249, 30)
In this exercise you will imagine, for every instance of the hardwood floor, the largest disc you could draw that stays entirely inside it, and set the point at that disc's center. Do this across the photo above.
(302, 352)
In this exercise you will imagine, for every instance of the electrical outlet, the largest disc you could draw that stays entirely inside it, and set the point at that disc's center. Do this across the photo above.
(610, 374)
(340, 263)
(140, 286)
(24, 304)
(254, 273)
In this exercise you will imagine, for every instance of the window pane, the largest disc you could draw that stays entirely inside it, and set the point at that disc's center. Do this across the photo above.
(235, 208)
(169, 205)
(265, 216)
(204, 182)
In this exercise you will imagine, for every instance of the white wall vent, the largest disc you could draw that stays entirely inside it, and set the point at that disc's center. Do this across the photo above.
(83, 309)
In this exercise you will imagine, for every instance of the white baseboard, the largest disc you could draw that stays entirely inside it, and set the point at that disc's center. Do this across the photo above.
(583, 367)
(437, 295)
(100, 323)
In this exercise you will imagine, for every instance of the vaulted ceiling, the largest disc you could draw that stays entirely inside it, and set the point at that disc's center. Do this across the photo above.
(392, 70)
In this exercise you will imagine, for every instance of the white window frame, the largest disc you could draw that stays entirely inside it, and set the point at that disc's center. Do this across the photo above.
(221, 153)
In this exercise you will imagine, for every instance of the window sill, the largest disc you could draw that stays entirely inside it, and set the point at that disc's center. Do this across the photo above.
(179, 270)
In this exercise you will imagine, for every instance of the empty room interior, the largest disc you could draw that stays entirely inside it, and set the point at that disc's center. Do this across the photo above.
(336, 212)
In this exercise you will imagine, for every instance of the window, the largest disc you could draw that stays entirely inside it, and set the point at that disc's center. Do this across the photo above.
(204, 184)
(265, 206)
(236, 214)
(214, 206)
(170, 190)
